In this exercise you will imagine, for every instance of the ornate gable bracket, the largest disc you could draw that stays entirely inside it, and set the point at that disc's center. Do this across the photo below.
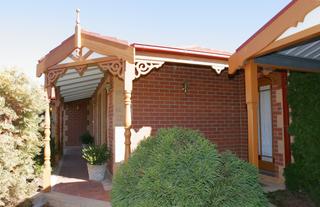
(53, 75)
(115, 67)
(143, 67)
(81, 69)
(218, 67)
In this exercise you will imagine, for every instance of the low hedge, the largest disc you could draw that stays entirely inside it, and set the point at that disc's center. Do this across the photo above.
(179, 167)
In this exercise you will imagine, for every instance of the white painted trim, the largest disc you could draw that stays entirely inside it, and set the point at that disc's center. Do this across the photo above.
(218, 67)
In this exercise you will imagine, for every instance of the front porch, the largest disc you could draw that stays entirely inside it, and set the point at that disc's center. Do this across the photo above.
(71, 177)
(71, 185)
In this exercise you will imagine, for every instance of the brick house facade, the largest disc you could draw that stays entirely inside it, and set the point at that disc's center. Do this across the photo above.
(223, 107)
(213, 104)
(133, 90)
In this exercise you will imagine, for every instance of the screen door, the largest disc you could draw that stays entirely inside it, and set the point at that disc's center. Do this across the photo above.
(265, 125)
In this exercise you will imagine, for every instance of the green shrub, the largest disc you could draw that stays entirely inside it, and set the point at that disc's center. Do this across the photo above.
(179, 167)
(20, 137)
(86, 138)
(304, 101)
(39, 158)
(96, 154)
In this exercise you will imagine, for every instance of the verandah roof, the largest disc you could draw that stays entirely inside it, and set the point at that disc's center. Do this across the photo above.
(78, 64)
(73, 86)
(103, 45)
(290, 40)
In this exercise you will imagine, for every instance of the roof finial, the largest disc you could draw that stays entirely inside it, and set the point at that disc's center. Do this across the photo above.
(78, 34)
(78, 16)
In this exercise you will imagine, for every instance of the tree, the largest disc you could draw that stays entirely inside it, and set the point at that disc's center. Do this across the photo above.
(21, 105)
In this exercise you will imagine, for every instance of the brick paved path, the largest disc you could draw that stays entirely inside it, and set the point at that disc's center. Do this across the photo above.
(73, 179)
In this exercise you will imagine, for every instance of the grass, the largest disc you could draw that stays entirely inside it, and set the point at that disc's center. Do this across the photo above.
(285, 198)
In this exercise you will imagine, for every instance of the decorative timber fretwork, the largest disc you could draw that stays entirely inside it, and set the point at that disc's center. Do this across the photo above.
(81, 69)
(143, 67)
(218, 67)
(78, 56)
(79, 63)
(53, 75)
(115, 67)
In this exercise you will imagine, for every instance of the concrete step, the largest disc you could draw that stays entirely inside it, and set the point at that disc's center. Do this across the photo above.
(56, 199)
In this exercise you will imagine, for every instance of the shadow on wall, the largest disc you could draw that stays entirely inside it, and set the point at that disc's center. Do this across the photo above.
(136, 137)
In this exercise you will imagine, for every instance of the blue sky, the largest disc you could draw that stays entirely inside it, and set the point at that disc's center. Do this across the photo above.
(29, 29)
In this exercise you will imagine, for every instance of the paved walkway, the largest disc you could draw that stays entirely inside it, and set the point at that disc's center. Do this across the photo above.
(72, 178)
(271, 184)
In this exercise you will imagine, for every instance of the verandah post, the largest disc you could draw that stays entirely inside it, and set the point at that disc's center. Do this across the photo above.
(47, 153)
(128, 79)
(251, 84)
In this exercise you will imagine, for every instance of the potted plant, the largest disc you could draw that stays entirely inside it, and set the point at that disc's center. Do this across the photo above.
(86, 139)
(96, 157)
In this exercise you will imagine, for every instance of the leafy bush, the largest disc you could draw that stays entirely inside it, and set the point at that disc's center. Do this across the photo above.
(304, 101)
(20, 139)
(96, 154)
(86, 138)
(39, 158)
(179, 167)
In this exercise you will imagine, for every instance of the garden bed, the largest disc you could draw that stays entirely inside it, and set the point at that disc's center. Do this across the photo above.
(285, 198)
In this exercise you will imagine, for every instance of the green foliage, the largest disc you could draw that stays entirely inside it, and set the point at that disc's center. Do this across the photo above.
(39, 158)
(179, 167)
(86, 138)
(285, 198)
(96, 154)
(304, 101)
(20, 122)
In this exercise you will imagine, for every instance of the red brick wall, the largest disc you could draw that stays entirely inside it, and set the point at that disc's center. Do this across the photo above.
(243, 118)
(277, 130)
(110, 130)
(214, 104)
(76, 123)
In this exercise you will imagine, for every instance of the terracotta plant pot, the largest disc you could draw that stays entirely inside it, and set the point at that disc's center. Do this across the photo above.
(96, 172)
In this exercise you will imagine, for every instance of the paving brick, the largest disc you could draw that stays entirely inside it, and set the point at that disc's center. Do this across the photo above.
(73, 178)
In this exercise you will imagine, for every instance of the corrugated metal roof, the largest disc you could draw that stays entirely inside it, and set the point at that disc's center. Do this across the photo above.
(310, 50)
(75, 87)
